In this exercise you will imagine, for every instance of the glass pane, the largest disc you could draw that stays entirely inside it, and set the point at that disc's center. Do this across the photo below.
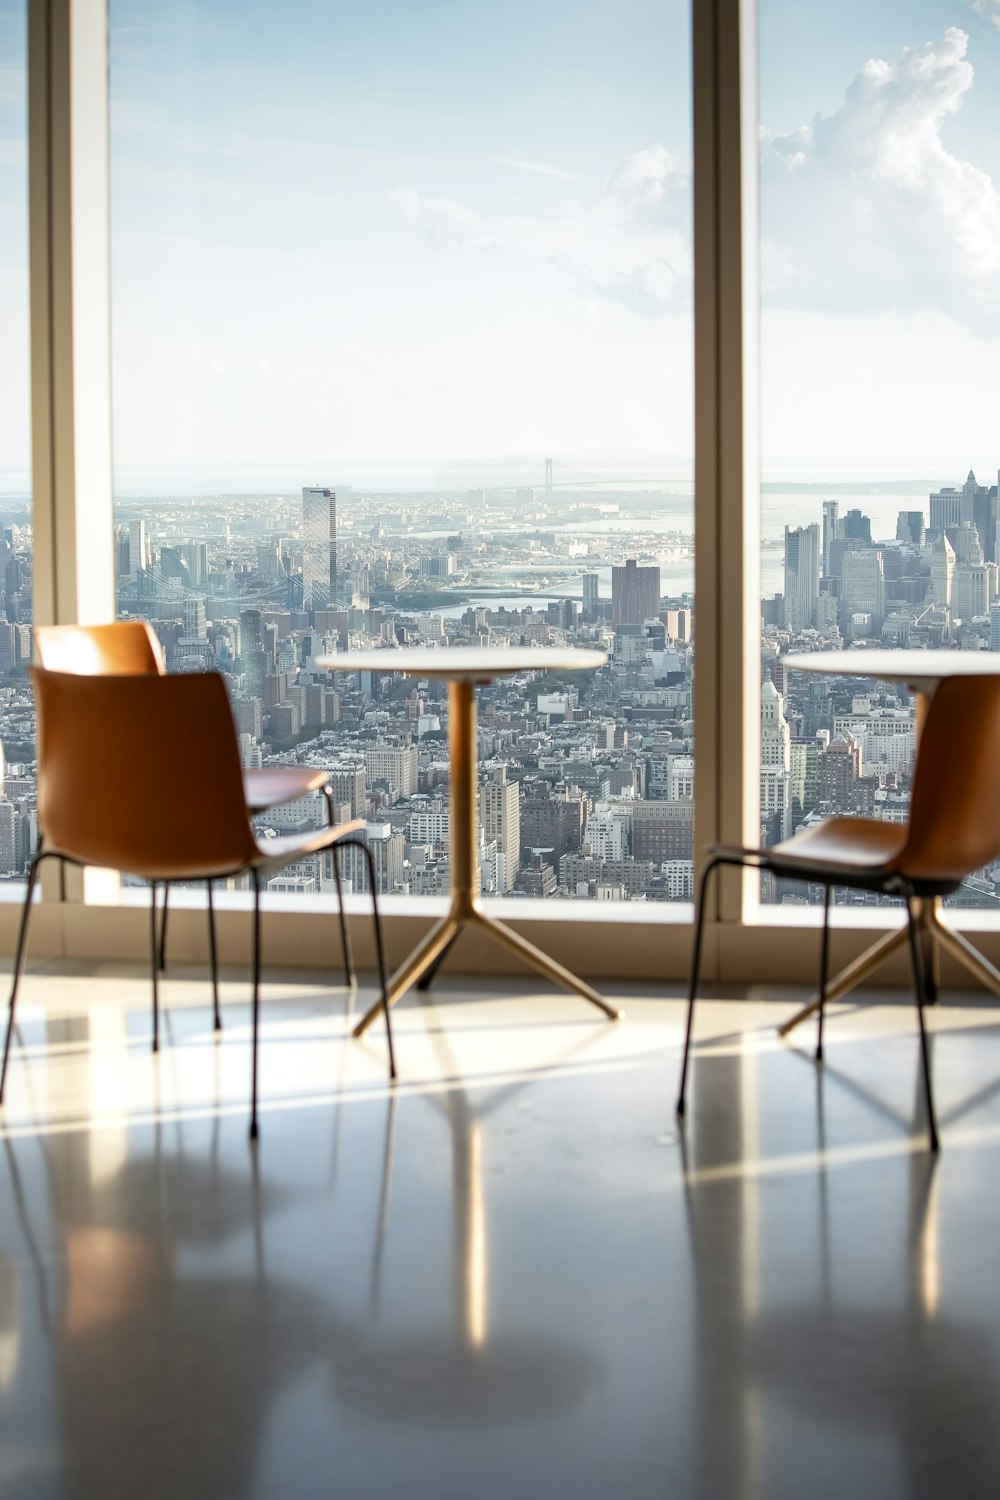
(881, 341)
(18, 821)
(402, 343)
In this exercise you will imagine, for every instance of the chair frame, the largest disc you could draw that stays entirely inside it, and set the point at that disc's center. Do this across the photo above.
(137, 650)
(83, 830)
(889, 883)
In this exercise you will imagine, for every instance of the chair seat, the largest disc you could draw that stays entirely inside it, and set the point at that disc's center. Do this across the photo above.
(854, 843)
(273, 785)
(284, 848)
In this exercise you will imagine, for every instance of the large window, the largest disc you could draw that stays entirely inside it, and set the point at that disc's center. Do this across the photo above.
(881, 343)
(402, 326)
(403, 354)
(17, 801)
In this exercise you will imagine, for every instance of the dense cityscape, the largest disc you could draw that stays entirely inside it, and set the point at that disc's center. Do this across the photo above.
(586, 780)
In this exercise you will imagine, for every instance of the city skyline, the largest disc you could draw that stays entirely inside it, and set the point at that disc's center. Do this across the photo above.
(588, 785)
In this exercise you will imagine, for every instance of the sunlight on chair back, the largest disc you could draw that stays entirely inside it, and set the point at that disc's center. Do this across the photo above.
(954, 824)
(141, 773)
(127, 646)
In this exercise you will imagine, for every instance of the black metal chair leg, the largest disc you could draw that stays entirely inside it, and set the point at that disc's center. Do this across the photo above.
(824, 970)
(256, 1003)
(161, 957)
(213, 958)
(350, 976)
(156, 952)
(695, 972)
(383, 969)
(920, 982)
(22, 937)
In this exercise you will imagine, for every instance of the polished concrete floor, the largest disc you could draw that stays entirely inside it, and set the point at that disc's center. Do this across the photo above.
(511, 1276)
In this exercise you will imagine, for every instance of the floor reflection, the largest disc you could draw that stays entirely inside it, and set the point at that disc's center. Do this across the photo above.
(844, 1347)
(511, 1275)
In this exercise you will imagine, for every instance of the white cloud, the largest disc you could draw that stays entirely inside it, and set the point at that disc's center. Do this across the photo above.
(650, 289)
(446, 223)
(540, 168)
(650, 188)
(988, 8)
(627, 243)
(866, 210)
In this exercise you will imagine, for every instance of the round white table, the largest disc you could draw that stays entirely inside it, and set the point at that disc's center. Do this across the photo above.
(464, 668)
(920, 671)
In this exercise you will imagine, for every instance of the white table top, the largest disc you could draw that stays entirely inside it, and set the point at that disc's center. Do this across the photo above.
(919, 670)
(465, 663)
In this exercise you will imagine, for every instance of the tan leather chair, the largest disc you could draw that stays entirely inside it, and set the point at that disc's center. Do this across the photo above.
(142, 774)
(131, 646)
(953, 830)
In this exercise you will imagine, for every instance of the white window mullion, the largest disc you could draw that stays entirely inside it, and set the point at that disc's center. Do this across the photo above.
(70, 328)
(727, 590)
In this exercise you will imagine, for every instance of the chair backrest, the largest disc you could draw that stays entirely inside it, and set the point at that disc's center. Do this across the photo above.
(127, 646)
(954, 825)
(141, 773)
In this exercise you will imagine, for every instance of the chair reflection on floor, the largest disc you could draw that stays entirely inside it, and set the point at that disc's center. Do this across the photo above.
(801, 1332)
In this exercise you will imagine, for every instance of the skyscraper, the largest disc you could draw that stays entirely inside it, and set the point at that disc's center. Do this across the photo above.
(802, 567)
(591, 595)
(319, 547)
(942, 572)
(862, 600)
(635, 593)
(252, 652)
(139, 549)
(831, 533)
(500, 813)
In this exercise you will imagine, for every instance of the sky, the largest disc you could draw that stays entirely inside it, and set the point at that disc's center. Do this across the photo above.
(408, 239)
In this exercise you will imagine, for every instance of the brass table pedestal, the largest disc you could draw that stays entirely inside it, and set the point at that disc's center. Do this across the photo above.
(935, 936)
(463, 668)
(465, 908)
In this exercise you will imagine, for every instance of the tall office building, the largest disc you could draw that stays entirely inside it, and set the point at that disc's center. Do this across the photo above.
(857, 527)
(252, 655)
(397, 766)
(945, 509)
(831, 533)
(319, 547)
(973, 589)
(802, 567)
(942, 571)
(862, 599)
(195, 627)
(500, 814)
(195, 555)
(910, 527)
(635, 593)
(591, 596)
(122, 551)
(775, 763)
(140, 552)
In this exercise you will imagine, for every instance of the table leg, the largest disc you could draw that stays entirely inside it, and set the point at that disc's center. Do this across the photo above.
(969, 957)
(440, 937)
(465, 908)
(864, 965)
(427, 978)
(544, 964)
